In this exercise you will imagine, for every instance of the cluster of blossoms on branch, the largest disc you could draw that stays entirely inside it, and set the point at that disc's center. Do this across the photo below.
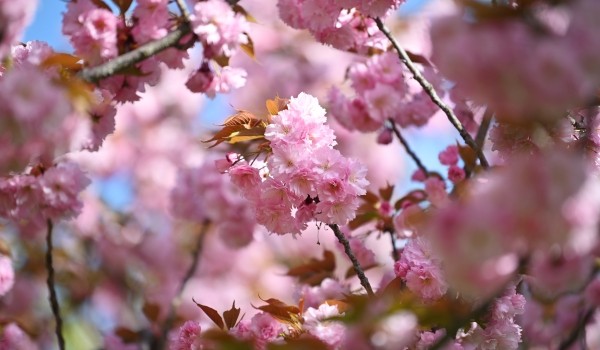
(345, 25)
(305, 177)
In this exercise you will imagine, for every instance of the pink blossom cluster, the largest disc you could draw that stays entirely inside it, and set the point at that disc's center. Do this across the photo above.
(221, 31)
(34, 119)
(13, 337)
(539, 68)
(98, 35)
(329, 288)
(450, 157)
(202, 194)
(28, 200)
(317, 322)
(7, 274)
(262, 328)
(188, 337)
(14, 16)
(512, 213)
(307, 179)
(381, 94)
(346, 25)
(421, 270)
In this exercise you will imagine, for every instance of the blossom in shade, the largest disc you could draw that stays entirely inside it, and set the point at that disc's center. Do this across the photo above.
(7, 274)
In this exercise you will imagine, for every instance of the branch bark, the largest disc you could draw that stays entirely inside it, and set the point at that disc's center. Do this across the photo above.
(426, 85)
(409, 150)
(114, 66)
(51, 288)
(159, 343)
(364, 281)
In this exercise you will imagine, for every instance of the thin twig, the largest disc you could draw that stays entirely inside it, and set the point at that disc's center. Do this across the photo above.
(357, 268)
(579, 329)
(409, 150)
(143, 52)
(158, 343)
(395, 253)
(483, 128)
(51, 290)
(183, 9)
(426, 85)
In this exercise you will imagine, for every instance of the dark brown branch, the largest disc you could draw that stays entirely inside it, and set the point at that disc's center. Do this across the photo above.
(409, 150)
(183, 9)
(128, 59)
(159, 343)
(395, 253)
(428, 88)
(483, 128)
(357, 268)
(578, 331)
(51, 290)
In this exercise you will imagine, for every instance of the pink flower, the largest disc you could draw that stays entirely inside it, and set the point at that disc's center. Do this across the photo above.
(61, 186)
(449, 156)
(14, 16)
(7, 275)
(245, 177)
(436, 191)
(188, 338)
(456, 174)
(13, 337)
(218, 27)
(264, 327)
(385, 137)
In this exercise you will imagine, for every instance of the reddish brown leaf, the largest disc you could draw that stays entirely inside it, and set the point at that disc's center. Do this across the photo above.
(222, 60)
(248, 47)
(5, 248)
(151, 311)
(289, 314)
(242, 126)
(419, 59)
(123, 5)
(212, 314)
(315, 271)
(370, 197)
(386, 192)
(101, 4)
(304, 342)
(468, 155)
(351, 272)
(231, 316)
(127, 335)
(242, 118)
(63, 60)
(414, 197)
(239, 9)
(277, 105)
(362, 219)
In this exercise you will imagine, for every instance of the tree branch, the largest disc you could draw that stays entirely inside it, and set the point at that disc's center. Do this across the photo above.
(578, 330)
(483, 128)
(51, 290)
(395, 253)
(357, 268)
(114, 66)
(410, 152)
(426, 85)
(158, 343)
(183, 9)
